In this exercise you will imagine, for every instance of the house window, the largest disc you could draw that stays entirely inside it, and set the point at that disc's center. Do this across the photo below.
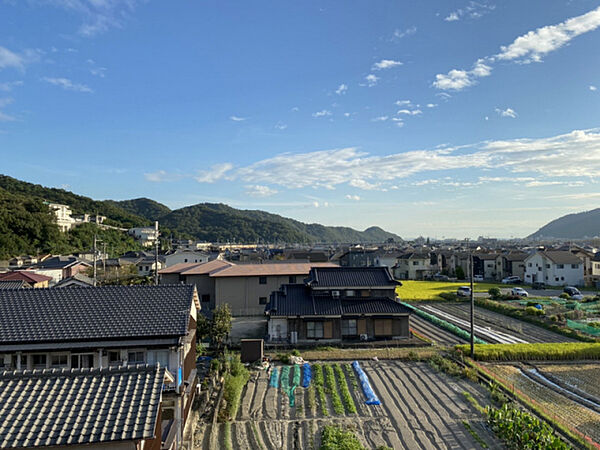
(205, 298)
(562, 278)
(83, 361)
(58, 361)
(292, 279)
(383, 327)
(136, 357)
(349, 327)
(114, 358)
(38, 361)
(262, 280)
(314, 330)
(547, 266)
(415, 263)
(555, 278)
(574, 266)
(262, 300)
(539, 269)
(560, 266)
(350, 294)
(159, 356)
(529, 264)
(185, 260)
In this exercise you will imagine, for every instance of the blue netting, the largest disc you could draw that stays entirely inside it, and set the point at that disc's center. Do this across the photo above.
(306, 375)
(274, 380)
(366, 386)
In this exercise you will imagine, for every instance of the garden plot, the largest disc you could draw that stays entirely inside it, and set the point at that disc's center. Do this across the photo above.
(581, 376)
(553, 401)
(434, 333)
(420, 408)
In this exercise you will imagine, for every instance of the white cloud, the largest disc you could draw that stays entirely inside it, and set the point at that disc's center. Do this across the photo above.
(398, 121)
(431, 105)
(216, 172)
(508, 112)
(162, 176)
(10, 59)
(322, 113)
(341, 89)
(371, 80)
(67, 84)
(527, 48)
(98, 71)
(379, 119)
(280, 126)
(10, 85)
(534, 44)
(399, 34)
(258, 190)
(410, 112)
(295, 109)
(386, 64)
(593, 88)
(356, 198)
(473, 10)
(237, 118)
(403, 103)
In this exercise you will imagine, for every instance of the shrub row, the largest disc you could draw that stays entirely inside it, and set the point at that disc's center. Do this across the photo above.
(511, 352)
(235, 380)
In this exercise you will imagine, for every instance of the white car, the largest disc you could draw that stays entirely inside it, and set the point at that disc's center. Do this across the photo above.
(511, 280)
(464, 291)
(477, 277)
(519, 291)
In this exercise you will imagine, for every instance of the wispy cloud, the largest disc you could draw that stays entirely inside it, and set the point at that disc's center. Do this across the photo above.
(162, 176)
(258, 190)
(410, 112)
(10, 85)
(341, 89)
(593, 88)
(371, 80)
(379, 119)
(67, 84)
(474, 10)
(13, 60)
(530, 47)
(356, 198)
(386, 64)
(216, 172)
(280, 125)
(508, 112)
(4, 117)
(237, 118)
(322, 113)
(399, 34)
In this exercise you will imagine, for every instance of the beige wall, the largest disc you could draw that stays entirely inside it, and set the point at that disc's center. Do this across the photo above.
(243, 293)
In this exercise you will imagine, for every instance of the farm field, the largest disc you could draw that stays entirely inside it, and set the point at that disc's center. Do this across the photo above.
(582, 376)
(434, 333)
(420, 408)
(430, 290)
(563, 409)
(504, 324)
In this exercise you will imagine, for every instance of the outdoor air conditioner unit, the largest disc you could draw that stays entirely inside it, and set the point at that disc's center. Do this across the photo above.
(335, 294)
(364, 337)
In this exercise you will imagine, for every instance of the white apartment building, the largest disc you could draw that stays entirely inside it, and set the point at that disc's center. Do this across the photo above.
(554, 268)
(63, 216)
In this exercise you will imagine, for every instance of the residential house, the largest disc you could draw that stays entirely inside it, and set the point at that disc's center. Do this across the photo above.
(487, 265)
(148, 266)
(63, 216)
(107, 326)
(387, 259)
(185, 256)
(59, 267)
(587, 257)
(337, 304)
(14, 284)
(513, 265)
(77, 280)
(415, 266)
(554, 268)
(357, 257)
(247, 287)
(198, 275)
(103, 408)
(312, 255)
(32, 279)
(146, 235)
(596, 270)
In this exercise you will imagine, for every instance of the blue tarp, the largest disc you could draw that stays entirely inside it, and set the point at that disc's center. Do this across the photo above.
(306, 375)
(366, 386)
(274, 381)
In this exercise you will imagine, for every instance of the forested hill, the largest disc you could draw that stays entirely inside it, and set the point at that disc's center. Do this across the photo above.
(572, 226)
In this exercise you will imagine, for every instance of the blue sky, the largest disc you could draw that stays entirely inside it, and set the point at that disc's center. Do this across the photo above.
(445, 119)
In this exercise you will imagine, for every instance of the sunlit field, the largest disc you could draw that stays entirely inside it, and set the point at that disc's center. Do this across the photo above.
(430, 290)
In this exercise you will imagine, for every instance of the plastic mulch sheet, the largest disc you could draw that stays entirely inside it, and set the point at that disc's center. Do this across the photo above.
(306, 375)
(274, 380)
(372, 399)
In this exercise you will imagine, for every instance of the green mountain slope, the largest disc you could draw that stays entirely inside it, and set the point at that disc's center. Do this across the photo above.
(143, 207)
(572, 226)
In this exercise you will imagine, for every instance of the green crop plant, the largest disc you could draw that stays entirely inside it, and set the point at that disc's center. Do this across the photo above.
(336, 401)
(336, 438)
(319, 383)
(537, 352)
(343, 384)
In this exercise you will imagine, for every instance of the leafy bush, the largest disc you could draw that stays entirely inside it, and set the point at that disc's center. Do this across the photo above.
(460, 273)
(445, 365)
(495, 292)
(336, 438)
(235, 380)
(565, 296)
(533, 311)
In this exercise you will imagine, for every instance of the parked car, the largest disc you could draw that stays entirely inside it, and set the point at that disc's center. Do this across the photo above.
(519, 292)
(511, 280)
(477, 277)
(464, 291)
(538, 285)
(573, 292)
(440, 277)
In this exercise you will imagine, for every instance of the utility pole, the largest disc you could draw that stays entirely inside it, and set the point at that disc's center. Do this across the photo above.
(472, 307)
(95, 260)
(156, 252)
(104, 261)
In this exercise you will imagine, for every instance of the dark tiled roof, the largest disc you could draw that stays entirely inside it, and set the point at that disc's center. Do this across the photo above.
(12, 284)
(94, 313)
(78, 279)
(350, 277)
(79, 406)
(59, 262)
(561, 257)
(297, 300)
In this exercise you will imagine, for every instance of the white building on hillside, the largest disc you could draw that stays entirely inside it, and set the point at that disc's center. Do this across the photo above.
(63, 216)
(554, 268)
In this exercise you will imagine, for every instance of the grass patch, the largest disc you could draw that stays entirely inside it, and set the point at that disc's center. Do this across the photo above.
(343, 384)
(430, 290)
(351, 354)
(336, 401)
(473, 433)
(319, 383)
(336, 438)
(235, 379)
(473, 401)
(534, 352)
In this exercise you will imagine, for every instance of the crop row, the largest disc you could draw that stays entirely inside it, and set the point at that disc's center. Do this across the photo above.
(554, 351)
(319, 383)
(343, 384)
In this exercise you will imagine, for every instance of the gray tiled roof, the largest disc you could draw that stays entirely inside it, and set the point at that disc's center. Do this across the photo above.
(373, 306)
(11, 284)
(94, 313)
(79, 406)
(350, 277)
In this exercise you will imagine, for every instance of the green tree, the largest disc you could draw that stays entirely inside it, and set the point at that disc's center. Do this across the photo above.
(220, 326)
(494, 292)
(460, 273)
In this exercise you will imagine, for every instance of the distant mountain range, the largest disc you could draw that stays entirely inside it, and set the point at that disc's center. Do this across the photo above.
(572, 226)
(205, 221)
